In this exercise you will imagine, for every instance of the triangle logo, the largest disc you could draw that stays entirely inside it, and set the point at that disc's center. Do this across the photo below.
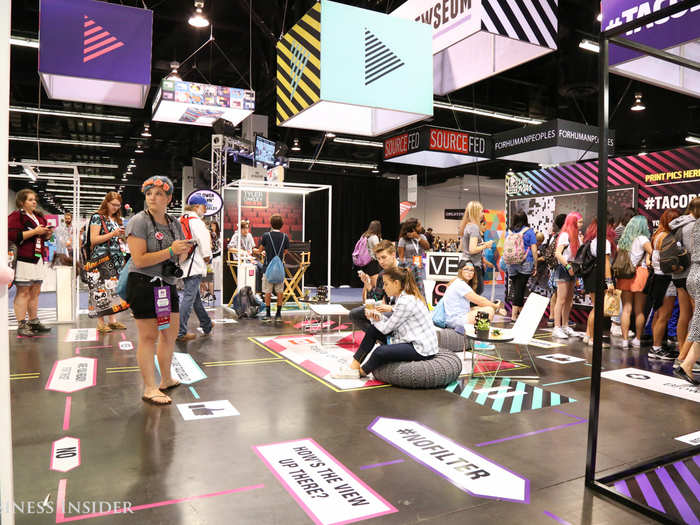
(97, 41)
(379, 59)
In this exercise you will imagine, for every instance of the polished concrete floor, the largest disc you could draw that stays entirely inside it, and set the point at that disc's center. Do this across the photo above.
(173, 471)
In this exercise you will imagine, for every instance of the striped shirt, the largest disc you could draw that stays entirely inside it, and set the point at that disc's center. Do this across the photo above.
(410, 322)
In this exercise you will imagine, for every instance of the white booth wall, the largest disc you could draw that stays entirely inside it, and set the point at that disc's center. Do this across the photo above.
(435, 199)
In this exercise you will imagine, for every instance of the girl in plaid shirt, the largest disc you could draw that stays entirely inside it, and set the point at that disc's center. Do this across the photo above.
(411, 328)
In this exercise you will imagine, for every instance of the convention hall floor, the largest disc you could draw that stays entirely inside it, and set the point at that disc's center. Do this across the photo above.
(208, 471)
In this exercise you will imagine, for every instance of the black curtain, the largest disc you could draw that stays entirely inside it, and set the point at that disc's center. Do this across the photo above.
(357, 200)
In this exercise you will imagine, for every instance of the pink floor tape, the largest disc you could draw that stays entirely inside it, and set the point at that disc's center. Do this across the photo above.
(66, 413)
(61, 499)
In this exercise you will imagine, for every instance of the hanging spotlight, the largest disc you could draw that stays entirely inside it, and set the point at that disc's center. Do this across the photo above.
(330, 135)
(138, 149)
(198, 20)
(174, 75)
(146, 131)
(599, 17)
(638, 104)
(643, 150)
(693, 139)
(295, 145)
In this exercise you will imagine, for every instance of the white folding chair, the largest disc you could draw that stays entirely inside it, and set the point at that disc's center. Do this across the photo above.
(526, 326)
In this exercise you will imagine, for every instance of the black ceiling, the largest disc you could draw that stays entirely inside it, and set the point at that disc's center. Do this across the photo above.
(561, 84)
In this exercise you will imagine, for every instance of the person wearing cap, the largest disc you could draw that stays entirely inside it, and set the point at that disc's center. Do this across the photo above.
(158, 247)
(195, 267)
(460, 295)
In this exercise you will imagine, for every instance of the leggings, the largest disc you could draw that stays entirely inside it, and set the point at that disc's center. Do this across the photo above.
(384, 353)
(519, 283)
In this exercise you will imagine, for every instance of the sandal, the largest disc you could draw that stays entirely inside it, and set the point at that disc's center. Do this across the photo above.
(103, 328)
(117, 326)
(151, 400)
(174, 385)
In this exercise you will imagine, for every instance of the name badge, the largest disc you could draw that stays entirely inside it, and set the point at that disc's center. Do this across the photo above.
(418, 261)
(163, 306)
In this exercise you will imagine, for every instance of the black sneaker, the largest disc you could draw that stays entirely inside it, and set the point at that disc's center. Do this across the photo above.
(666, 355)
(37, 327)
(267, 318)
(25, 330)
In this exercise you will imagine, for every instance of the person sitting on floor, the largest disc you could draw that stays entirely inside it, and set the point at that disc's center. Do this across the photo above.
(385, 252)
(410, 326)
(458, 296)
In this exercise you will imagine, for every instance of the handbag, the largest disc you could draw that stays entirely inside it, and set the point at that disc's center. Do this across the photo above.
(622, 267)
(611, 303)
(439, 314)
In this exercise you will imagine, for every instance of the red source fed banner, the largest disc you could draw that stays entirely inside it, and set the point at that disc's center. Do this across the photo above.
(456, 142)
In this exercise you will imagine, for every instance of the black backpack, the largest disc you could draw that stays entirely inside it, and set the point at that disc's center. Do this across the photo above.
(245, 303)
(673, 257)
(584, 262)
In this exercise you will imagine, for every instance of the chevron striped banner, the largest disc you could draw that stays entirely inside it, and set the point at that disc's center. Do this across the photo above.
(533, 21)
(95, 38)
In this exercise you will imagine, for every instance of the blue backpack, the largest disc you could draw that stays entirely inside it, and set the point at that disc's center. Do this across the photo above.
(439, 315)
(123, 277)
(275, 269)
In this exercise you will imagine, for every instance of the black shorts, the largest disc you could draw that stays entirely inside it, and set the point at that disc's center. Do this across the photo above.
(372, 268)
(680, 284)
(589, 282)
(659, 285)
(141, 298)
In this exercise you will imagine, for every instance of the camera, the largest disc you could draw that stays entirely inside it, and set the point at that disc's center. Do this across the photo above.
(170, 269)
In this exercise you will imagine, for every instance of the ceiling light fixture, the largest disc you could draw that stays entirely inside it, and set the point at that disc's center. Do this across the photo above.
(174, 74)
(138, 148)
(146, 131)
(330, 135)
(70, 164)
(693, 139)
(334, 163)
(198, 20)
(485, 113)
(359, 142)
(69, 114)
(599, 17)
(295, 145)
(66, 142)
(638, 104)
(24, 42)
(589, 45)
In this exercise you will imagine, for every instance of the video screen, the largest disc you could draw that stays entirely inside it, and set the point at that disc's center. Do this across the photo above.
(264, 150)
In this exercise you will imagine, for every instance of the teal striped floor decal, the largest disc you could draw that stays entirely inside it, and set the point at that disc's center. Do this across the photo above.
(506, 395)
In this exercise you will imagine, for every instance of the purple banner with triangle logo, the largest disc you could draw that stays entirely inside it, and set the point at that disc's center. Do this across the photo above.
(89, 39)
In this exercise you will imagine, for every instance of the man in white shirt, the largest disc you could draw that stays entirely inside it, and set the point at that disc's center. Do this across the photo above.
(195, 267)
(247, 247)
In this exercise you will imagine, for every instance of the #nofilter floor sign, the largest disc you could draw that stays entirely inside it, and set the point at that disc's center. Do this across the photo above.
(327, 491)
(465, 469)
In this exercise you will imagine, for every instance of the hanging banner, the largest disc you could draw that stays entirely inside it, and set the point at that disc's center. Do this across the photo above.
(677, 34)
(438, 147)
(491, 35)
(95, 52)
(351, 70)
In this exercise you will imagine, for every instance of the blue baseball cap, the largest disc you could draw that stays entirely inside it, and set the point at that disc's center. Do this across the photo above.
(196, 200)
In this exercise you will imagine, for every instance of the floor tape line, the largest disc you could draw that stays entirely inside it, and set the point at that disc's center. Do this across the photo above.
(61, 498)
(194, 392)
(66, 413)
(556, 518)
(567, 381)
(251, 363)
(386, 463)
(252, 340)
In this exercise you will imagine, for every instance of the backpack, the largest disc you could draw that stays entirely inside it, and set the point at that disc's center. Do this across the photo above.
(584, 262)
(673, 257)
(245, 304)
(439, 314)
(85, 251)
(360, 255)
(514, 250)
(275, 269)
(123, 278)
(550, 257)
(185, 223)
(622, 266)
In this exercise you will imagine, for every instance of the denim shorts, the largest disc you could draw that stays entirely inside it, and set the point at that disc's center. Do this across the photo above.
(562, 274)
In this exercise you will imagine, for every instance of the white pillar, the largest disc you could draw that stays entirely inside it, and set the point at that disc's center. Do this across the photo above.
(6, 475)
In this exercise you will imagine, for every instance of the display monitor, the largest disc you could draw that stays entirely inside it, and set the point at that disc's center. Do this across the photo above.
(264, 150)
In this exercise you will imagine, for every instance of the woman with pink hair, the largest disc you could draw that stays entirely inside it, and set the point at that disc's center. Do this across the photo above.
(567, 246)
